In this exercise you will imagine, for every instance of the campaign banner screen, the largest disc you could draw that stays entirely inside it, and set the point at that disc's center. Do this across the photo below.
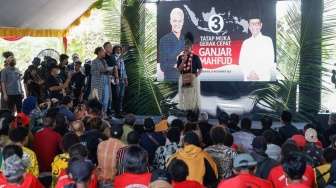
(235, 39)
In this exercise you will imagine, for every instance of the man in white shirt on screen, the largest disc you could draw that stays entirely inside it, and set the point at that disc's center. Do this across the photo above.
(257, 53)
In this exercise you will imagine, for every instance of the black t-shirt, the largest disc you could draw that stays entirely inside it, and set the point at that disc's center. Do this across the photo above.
(195, 63)
(63, 73)
(78, 78)
(110, 60)
(91, 143)
(54, 81)
(97, 134)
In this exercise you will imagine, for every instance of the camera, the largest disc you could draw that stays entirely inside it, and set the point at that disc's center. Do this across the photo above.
(19, 121)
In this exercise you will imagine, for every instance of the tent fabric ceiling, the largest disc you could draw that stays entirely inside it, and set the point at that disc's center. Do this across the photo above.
(48, 16)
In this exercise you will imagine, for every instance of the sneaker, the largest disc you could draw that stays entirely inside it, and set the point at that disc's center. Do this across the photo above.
(123, 113)
(119, 116)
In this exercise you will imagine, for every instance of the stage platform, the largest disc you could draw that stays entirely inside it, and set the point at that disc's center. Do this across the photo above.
(157, 119)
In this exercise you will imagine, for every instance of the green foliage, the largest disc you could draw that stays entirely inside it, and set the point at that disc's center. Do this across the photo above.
(144, 95)
(27, 48)
(87, 36)
(294, 62)
(82, 40)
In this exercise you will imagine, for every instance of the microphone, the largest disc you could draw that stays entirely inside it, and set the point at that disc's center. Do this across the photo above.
(185, 56)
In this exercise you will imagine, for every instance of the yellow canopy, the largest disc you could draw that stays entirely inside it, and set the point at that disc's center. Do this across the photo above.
(42, 18)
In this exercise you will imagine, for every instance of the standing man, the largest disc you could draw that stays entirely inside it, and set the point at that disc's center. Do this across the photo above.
(71, 66)
(110, 60)
(257, 52)
(171, 46)
(190, 66)
(332, 129)
(11, 85)
(77, 83)
(119, 53)
(5, 55)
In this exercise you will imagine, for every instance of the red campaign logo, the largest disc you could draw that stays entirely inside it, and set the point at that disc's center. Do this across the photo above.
(218, 55)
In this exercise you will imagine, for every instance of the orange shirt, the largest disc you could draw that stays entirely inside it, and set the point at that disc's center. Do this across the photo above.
(162, 126)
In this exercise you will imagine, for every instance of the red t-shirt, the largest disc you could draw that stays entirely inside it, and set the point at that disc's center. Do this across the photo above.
(63, 180)
(245, 180)
(187, 183)
(30, 181)
(278, 179)
(47, 144)
(297, 186)
(130, 180)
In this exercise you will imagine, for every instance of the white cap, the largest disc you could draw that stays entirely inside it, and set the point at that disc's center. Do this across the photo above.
(54, 100)
(171, 119)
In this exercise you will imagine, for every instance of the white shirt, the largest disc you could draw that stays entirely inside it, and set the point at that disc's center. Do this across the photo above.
(244, 140)
(257, 54)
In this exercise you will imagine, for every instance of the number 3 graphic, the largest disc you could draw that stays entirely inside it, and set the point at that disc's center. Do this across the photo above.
(216, 23)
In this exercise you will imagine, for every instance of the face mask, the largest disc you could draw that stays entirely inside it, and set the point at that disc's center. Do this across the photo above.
(12, 63)
(58, 71)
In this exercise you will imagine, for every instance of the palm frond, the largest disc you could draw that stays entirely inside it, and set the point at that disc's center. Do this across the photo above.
(302, 58)
(144, 95)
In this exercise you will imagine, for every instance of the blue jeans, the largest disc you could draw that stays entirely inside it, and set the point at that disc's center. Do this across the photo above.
(120, 90)
(106, 94)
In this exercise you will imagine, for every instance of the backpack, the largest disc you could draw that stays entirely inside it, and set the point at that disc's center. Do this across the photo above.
(320, 181)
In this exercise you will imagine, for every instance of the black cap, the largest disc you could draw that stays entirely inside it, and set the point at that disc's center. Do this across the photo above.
(116, 130)
(36, 61)
(81, 170)
(160, 174)
(53, 65)
(254, 15)
(259, 142)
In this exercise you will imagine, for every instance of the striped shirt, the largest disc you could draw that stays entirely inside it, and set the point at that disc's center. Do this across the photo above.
(107, 163)
(120, 158)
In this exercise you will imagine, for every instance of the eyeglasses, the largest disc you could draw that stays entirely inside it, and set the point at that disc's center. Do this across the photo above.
(255, 24)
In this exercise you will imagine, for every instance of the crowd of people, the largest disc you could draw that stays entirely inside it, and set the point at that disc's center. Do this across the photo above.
(50, 146)
(103, 78)
(54, 132)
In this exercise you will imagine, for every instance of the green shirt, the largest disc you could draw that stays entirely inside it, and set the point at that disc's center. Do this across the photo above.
(127, 129)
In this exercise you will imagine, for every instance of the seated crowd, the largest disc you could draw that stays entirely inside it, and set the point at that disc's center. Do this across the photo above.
(50, 150)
